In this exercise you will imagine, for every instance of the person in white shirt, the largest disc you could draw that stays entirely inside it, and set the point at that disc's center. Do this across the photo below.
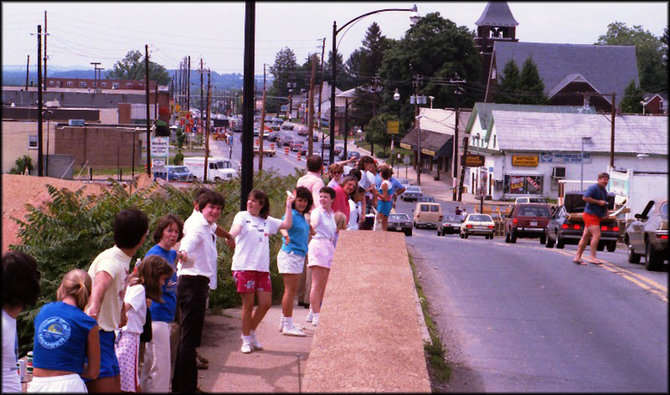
(356, 208)
(20, 289)
(251, 262)
(196, 276)
(144, 285)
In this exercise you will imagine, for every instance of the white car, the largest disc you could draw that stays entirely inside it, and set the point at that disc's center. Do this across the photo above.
(478, 224)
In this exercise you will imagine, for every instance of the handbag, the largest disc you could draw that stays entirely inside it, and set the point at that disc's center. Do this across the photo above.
(146, 330)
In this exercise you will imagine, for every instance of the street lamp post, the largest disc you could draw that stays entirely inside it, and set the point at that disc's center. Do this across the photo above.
(414, 17)
(581, 179)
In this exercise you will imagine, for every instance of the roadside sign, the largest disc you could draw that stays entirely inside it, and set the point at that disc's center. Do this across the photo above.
(471, 160)
(406, 146)
(160, 147)
(158, 164)
(524, 160)
(393, 127)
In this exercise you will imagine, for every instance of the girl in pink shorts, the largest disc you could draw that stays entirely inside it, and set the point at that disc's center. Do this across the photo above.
(251, 261)
(321, 250)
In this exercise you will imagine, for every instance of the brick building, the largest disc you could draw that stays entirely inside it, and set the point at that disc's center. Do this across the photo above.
(85, 83)
(100, 145)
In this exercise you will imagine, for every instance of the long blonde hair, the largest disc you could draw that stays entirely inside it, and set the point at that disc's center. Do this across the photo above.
(75, 283)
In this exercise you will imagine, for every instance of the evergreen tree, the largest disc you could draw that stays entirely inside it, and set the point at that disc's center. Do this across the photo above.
(531, 87)
(509, 86)
(283, 70)
(132, 67)
(632, 97)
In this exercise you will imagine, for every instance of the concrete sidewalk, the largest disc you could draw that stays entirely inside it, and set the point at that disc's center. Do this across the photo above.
(279, 367)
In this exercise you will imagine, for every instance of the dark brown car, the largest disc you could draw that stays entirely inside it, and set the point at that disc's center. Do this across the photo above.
(527, 220)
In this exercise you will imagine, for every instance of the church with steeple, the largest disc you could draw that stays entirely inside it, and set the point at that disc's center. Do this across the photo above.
(495, 24)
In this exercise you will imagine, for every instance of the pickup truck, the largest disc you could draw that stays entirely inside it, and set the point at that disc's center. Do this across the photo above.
(267, 151)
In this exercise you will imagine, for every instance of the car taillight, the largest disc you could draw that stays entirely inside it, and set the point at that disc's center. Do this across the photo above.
(576, 227)
(468, 226)
(603, 228)
(491, 227)
(515, 221)
(664, 237)
(565, 226)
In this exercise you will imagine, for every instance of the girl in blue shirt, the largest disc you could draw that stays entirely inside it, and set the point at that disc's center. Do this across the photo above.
(291, 257)
(67, 345)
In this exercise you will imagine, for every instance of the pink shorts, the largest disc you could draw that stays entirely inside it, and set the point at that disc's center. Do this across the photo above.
(251, 281)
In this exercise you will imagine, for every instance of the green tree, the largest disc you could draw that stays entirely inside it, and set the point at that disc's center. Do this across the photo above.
(344, 80)
(132, 67)
(283, 71)
(510, 83)
(435, 48)
(375, 130)
(21, 164)
(632, 98)
(531, 86)
(651, 52)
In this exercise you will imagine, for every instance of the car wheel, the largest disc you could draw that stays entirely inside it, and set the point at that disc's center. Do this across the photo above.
(559, 242)
(512, 238)
(408, 233)
(653, 258)
(601, 246)
(550, 241)
(611, 247)
(415, 226)
(460, 235)
(506, 237)
(465, 235)
(632, 256)
(543, 239)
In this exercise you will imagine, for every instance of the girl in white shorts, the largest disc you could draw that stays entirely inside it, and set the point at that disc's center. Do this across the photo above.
(321, 250)
(291, 258)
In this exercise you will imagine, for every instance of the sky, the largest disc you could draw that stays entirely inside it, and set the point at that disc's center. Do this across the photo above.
(85, 32)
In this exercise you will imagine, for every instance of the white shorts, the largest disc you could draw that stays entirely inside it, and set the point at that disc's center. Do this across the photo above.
(321, 253)
(290, 263)
(62, 384)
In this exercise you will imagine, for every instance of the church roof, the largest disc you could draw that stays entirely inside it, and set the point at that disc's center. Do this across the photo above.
(608, 68)
(496, 13)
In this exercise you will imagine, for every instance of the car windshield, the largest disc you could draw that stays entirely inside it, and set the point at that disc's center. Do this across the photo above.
(481, 218)
(528, 211)
(179, 169)
(664, 211)
(453, 218)
(399, 217)
(412, 189)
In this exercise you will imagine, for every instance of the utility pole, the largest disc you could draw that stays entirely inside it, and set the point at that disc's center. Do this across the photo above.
(247, 180)
(323, 49)
(95, 73)
(454, 172)
(206, 132)
(417, 82)
(612, 139)
(465, 153)
(375, 80)
(310, 118)
(39, 101)
(177, 92)
(45, 50)
(201, 93)
(27, 71)
(262, 129)
(146, 84)
(188, 85)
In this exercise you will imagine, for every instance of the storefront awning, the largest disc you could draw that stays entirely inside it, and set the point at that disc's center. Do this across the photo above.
(432, 143)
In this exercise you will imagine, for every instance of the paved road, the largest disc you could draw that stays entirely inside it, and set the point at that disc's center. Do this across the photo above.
(523, 318)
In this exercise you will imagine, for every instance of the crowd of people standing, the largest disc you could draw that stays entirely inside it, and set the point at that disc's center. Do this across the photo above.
(109, 321)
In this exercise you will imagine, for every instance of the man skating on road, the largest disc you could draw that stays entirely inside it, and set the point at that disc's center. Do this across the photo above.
(595, 210)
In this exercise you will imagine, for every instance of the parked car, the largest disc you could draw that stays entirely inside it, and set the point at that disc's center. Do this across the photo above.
(303, 131)
(275, 127)
(412, 192)
(400, 222)
(427, 199)
(338, 149)
(427, 214)
(326, 143)
(451, 223)
(296, 145)
(271, 136)
(175, 173)
(287, 126)
(566, 225)
(529, 199)
(286, 140)
(350, 154)
(315, 137)
(303, 150)
(648, 235)
(404, 181)
(527, 220)
(267, 151)
(478, 224)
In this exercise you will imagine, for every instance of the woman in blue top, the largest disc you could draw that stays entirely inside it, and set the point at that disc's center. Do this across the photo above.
(385, 202)
(157, 366)
(291, 257)
(67, 345)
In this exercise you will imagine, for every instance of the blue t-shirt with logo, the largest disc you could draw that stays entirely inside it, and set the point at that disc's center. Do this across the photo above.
(598, 193)
(165, 311)
(299, 235)
(61, 337)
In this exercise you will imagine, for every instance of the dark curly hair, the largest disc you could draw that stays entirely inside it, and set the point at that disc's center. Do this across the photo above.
(129, 227)
(20, 280)
(163, 223)
(304, 193)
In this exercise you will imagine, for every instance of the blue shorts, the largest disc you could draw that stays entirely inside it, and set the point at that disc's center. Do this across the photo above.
(109, 365)
(384, 207)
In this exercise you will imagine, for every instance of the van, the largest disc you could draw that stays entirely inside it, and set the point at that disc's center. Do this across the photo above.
(218, 168)
(427, 214)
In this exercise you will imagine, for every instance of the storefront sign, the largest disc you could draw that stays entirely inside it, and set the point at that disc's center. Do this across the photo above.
(427, 152)
(406, 146)
(160, 147)
(556, 157)
(471, 160)
(524, 160)
(393, 127)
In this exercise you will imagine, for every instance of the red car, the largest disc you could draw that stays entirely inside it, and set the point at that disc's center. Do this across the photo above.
(527, 220)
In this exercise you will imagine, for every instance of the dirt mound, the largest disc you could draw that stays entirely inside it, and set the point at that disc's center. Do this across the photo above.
(19, 190)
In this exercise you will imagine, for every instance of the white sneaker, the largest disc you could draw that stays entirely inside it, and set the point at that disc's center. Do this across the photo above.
(315, 320)
(281, 324)
(292, 331)
(246, 347)
(309, 317)
(255, 343)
